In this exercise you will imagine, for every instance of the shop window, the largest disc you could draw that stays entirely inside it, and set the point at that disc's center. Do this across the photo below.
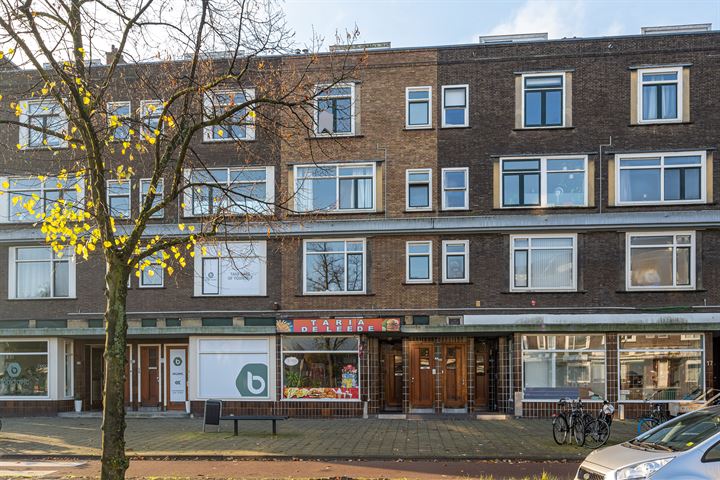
(236, 368)
(661, 367)
(557, 366)
(321, 368)
(230, 269)
(24, 369)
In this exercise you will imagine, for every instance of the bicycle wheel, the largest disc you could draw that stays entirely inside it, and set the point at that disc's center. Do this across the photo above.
(646, 424)
(579, 431)
(597, 433)
(560, 429)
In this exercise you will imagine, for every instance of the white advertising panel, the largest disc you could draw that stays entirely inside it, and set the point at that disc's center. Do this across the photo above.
(178, 380)
(234, 369)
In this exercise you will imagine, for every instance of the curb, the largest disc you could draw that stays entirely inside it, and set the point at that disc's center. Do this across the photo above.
(314, 458)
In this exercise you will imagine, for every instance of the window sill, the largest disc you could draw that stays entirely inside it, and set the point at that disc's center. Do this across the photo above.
(410, 284)
(229, 296)
(412, 129)
(151, 288)
(689, 203)
(663, 290)
(340, 294)
(455, 127)
(333, 212)
(458, 282)
(455, 210)
(534, 207)
(228, 140)
(44, 299)
(418, 210)
(334, 137)
(542, 292)
(524, 129)
(655, 124)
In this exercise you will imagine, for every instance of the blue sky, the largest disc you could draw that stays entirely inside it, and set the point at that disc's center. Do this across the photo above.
(425, 22)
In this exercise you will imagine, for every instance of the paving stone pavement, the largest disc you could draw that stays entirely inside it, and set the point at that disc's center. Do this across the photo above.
(304, 438)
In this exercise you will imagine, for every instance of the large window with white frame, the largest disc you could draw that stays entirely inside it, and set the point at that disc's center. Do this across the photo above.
(543, 100)
(24, 368)
(418, 107)
(39, 272)
(418, 262)
(564, 366)
(661, 178)
(660, 260)
(152, 276)
(455, 189)
(119, 120)
(239, 125)
(22, 199)
(231, 269)
(455, 261)
(118, 198)
(241, 190)
(157, 199)
(455, 109)
(418, 189)
(335, 109)
(48, 121)
(544, 181)
(660, 367)
(660, 94)
(543, 262)
(334, 266)
(335, 187)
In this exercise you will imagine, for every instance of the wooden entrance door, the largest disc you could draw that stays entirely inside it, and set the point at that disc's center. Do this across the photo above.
(482, 376)
(176, 391)
(393, 377)
(421, 375)
(149, 375)
(453, 374)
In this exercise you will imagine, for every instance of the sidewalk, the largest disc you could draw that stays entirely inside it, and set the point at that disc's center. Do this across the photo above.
(528, 439)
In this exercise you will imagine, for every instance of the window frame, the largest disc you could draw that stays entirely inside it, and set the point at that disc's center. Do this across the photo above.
(345, 253)
(257, 247)
(562, 74)
(429, 256)
(679, 96)
(12, 274)
(320, 96)
(466, 123)
(337, 177)
(124, 120)
(109, 196)
(145, 113)
(24, 132)
(693, 256)
(7, 195)
(662, 167)
(445, 244)
(409, 101)
(529, 249)
(249, 94)
(408, 183)
(141, 280)
(543, 174)
(159, 195)
(466, 203)
(189, 192)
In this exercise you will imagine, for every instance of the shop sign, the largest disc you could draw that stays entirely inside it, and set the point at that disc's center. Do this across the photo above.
(177, 375)
(338, 325)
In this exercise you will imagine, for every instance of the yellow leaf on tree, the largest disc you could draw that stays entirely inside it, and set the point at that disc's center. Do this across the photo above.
(107, 244)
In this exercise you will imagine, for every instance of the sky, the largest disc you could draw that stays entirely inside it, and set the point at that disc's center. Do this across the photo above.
(424, 22)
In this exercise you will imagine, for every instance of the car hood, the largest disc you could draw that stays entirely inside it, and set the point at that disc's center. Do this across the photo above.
(618, 456)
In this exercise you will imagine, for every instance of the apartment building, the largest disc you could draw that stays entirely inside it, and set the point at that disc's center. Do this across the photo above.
(474, 228)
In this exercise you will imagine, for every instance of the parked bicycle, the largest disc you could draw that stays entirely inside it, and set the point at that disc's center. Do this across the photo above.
(568, 422)
(657, 414)
(597, 429)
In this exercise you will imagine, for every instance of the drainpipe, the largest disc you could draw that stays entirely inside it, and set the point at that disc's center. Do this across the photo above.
(385, 174)
(600, 162)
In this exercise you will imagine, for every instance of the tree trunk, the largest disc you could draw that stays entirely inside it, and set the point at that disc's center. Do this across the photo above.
(114, 462)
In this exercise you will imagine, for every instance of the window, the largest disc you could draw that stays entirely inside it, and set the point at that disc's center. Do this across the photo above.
(235, 368)
(48, 117)
(334, 266)
(320, 368)
(335, 109)
(119, 117)
(68, 368)
(455, 261)
(664, 367)
(238, 126)
(455, 188)
(419, 185)
(38, 272)
(242, 190)
(544, 262)
(27, 197)
(145, 187)
(418, 107)
(23, 369)
(660, 261)
(419, 262)
(661, 178)
(152, 276)
(543, 100)
(455, 106)
(660, 95)
(151, 111)
(563, 366)
(118, 197)
(544, 182)
(231, 269)
(335, 187)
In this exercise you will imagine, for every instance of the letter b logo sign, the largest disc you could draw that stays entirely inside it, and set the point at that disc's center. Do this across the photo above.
(252, 381)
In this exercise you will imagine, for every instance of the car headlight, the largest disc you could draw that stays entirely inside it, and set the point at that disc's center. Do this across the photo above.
(642, 471)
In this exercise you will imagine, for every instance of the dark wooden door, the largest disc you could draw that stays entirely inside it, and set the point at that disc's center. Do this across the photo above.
(421, 375)
(453, 374)
(482, 376)
(393, 378)
(149, 376)
(97, 374)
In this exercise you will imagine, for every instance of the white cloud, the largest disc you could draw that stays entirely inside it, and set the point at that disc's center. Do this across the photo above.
(557, 17)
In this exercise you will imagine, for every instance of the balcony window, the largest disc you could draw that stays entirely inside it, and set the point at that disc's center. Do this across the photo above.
(334, 266)
(342, 187)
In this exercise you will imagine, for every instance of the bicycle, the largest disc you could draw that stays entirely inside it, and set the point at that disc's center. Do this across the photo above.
(569, 422)
(658, 414)
(597, 429)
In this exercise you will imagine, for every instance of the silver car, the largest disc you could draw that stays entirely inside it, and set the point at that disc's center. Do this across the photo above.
(685, 448)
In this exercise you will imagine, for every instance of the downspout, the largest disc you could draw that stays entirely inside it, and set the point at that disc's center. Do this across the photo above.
(385, 174)
(600, 165)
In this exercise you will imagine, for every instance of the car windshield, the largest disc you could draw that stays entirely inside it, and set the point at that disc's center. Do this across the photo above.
(683, 433)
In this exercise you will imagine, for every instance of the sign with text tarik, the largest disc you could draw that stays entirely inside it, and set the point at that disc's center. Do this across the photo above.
(338, 325)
